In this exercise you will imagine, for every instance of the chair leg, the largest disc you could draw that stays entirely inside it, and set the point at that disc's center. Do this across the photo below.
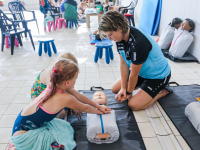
(67, 23)
(37, 26)
(107, 55)
(75, 23)
(20, 40)
(45, 47)
(40, 49)
(56, 23)
(96, 55)
(132, 19)
(49, 49)
(70, 24)
(12, 36)
(64, 23)
(2, 41)
(16, 42)
(6, 42)
(111, 54)
(49, 26)
(100, 52)
(24, 24)
(29, 32)
(54, 47)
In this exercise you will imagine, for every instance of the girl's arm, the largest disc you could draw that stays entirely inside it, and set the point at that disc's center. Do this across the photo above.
(82, 98)
(73, 103)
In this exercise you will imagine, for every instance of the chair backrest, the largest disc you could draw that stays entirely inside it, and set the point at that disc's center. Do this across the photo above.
(17, 7)
(4, 23)
(132, 6)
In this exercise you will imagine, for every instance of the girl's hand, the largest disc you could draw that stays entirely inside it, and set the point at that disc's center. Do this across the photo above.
(78, 113)
(104, 109)
(121, 95)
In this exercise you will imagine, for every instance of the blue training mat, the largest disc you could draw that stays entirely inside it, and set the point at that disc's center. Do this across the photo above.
(95, 41)
(150, 16)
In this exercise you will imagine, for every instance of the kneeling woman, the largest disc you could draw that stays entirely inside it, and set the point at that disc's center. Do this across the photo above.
(142, 63)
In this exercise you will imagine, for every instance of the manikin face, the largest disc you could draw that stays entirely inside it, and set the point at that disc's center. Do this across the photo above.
(99, 97)
(186, 26)
(116, 36)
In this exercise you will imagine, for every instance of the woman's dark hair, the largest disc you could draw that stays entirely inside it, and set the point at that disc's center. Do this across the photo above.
(191, 24)
(63, 70)
(111, 21)
(176, 21)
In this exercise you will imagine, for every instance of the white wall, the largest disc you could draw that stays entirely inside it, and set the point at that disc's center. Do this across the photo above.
(182, 9)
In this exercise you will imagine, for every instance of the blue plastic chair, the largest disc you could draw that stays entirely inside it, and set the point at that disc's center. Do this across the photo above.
(108, 51)
(47, 47)
(17, 10)
(9, 27)
(130, 10)
(71, 23)
(54, 11)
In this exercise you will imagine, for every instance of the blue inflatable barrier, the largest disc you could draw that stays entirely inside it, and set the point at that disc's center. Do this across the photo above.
(150, 16)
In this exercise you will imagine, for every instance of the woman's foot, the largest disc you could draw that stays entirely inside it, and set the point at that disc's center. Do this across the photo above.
(79, 25)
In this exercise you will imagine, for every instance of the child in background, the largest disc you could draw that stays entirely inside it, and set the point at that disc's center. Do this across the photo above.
(106, 6)
(35, 126)
(82, 6)
(97, 35)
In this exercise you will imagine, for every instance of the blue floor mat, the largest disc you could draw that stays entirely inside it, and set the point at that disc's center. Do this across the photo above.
(150, 16)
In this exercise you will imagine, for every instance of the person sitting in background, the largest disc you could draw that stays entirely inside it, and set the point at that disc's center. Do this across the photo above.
(168, 33)
(182, 39)
(106, 6)
(71, 10)
(82, 6)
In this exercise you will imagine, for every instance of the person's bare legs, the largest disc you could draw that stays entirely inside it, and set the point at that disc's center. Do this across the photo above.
(140, 100)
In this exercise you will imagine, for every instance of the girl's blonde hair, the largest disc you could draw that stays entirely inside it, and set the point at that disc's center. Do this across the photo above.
(107, 1)
(63, 70)
(68, 56)
(111, 21)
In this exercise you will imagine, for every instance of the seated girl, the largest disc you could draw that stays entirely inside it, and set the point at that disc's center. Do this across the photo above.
(71, 11)
(82, 6)
(43, 80)
(35, 126)
(106, 6)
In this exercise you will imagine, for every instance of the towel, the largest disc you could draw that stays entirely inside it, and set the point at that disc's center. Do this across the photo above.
(109, 125)
(47, 19)
(192, 111)
(41, 138)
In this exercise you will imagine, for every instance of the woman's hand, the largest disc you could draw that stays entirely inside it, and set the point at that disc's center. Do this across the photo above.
(104, 109)
(121, 95)
(78, 113)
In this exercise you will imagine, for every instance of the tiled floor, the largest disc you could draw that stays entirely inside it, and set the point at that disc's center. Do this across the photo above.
(18, 72)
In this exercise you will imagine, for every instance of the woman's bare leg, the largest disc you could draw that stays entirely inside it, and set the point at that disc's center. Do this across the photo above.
(141, 100)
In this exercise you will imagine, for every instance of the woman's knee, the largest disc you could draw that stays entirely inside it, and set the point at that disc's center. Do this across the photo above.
(115, 89)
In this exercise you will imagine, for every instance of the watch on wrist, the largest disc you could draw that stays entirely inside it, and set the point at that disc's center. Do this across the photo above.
(128, 93)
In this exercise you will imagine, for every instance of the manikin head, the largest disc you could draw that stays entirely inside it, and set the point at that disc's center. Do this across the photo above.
(176, 22)
(100, 97)
(188, 25)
